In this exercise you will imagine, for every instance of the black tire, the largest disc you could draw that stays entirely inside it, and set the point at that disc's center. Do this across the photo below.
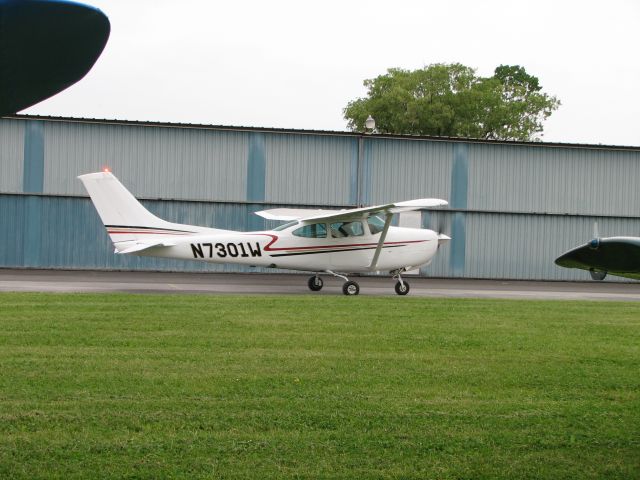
(402, 288)
(315, 284)
(350, 288)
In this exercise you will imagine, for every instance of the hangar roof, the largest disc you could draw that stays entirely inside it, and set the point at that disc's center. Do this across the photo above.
(200, 126)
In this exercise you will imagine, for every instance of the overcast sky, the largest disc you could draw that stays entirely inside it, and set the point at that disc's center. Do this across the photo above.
(296, 64)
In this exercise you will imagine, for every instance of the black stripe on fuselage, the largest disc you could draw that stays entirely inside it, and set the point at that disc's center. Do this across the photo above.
(148, 228)
(331, 251)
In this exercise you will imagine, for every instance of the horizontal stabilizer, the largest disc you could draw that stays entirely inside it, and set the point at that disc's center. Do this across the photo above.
(138, 247)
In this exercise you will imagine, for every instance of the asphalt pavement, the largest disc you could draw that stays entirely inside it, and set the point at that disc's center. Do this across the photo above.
(26, 280)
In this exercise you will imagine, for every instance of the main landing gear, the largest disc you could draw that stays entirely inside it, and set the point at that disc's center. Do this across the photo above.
(350, 287)
(315, 283)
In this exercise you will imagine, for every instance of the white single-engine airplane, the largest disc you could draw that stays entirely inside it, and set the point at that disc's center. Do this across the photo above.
(320, 241)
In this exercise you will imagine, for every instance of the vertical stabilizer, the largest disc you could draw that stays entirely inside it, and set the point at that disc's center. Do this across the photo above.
(123, 216)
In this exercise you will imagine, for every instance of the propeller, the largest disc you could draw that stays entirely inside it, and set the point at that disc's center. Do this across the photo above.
(595, 243)
(441, 227)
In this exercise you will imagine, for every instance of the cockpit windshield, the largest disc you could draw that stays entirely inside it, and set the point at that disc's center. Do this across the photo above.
(284, 226)
(376, 224)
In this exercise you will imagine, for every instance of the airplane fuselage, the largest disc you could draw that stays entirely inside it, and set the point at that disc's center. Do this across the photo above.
(279, 249)
(613, 255)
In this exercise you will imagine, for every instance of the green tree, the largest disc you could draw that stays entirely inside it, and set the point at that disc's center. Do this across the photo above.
(451, 100)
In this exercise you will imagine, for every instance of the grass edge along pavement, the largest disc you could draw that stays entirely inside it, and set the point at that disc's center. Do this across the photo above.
(157, 386)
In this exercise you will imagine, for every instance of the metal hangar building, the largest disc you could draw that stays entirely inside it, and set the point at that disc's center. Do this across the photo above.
(514, 207)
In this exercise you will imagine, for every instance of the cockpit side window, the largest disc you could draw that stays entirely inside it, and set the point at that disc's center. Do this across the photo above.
(314, 230)
(347, 229)
(376, 224)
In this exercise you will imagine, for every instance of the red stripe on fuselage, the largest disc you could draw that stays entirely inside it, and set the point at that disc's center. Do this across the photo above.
(275, 238)
(146, 232)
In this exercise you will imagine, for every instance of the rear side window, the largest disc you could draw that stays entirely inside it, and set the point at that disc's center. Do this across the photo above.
(315, 230)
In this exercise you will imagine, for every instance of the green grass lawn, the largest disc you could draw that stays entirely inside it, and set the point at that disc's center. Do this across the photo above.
(150, 386)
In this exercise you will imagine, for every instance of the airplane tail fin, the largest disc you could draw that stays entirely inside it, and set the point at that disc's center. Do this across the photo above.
(125, 219)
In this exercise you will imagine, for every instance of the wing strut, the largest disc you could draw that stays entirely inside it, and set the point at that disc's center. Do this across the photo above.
(383, 235)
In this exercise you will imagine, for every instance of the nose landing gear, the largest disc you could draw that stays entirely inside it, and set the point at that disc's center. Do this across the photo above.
(402, 286)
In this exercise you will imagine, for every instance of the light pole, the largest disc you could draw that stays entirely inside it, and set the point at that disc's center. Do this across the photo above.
(369, 124)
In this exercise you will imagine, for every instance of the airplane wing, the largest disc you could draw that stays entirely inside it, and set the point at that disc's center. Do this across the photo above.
(289, 214)
(389, 208)
(138, 247)
(308, 215)
(45, 47)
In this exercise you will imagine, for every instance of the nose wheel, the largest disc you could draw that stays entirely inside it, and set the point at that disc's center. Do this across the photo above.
(402, 288)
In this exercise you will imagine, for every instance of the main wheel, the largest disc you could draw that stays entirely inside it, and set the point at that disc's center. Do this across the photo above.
(402, 288)
(350, 288)
(315, 283)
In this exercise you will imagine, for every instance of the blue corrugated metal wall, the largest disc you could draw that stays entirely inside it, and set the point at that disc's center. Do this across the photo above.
(66, 232)
(513, 208)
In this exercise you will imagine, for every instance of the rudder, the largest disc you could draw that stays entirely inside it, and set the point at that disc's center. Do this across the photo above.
(122, 214)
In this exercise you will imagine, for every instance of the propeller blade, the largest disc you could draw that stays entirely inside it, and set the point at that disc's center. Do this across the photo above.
(441, 225)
